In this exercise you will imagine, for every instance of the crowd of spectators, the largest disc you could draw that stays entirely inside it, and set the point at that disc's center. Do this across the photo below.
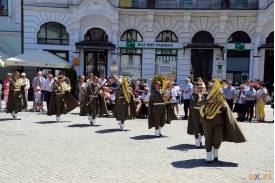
(248, 99)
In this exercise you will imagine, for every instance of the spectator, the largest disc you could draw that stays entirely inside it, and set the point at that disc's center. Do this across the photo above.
(39, 81)
(230, 93)
(102, 80)
(144, 102)
(112, 100)
(48, 89)
(82, 95)
(6, 85)
(114, 82)
(240, 106)
(137, 99)
(176, 97)
(250, 97)
(37, 99)
(187, 91)
(260, 102)
(27, 86)
(142, 84)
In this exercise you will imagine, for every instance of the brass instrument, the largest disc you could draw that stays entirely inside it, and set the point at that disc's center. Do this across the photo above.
(210, 110)
(165, 97)
(125, 90)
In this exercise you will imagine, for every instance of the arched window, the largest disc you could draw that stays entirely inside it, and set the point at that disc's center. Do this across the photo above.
(239, 37)
(131, 34)
(270, 38)
(53, 33)
(96, 34)
(167, 36)
(203, 37)
(130, 60)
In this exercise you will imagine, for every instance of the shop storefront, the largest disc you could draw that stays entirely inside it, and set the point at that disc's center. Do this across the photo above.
(238, 57)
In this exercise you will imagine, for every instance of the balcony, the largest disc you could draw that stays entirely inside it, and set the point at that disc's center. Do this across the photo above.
(191, 4)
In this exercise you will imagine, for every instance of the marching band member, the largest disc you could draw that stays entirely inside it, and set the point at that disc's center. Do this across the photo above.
(194, 121)
(124, 103)
(160, 112)
(16, 102)
(61, 101)
(219, 123)
(93, 89)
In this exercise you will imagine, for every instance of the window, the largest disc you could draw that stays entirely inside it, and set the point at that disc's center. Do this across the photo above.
(53, 33)
(96, 34)
(167, 36)
(4, 8)
(166, 62)
(166, 59)
(130, 60)
(130, 63)
(239, 37)
(131, 35)
(203, 37)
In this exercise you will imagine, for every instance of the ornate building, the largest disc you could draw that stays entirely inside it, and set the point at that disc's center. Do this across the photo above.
(230, 39)
(10, 31)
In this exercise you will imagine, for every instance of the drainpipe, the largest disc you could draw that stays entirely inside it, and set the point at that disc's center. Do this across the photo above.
(22, 26)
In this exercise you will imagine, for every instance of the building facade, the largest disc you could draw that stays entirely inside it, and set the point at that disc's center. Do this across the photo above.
(10, 31)
(228, 39)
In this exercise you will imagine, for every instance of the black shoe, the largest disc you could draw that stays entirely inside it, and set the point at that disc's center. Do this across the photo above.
(216, 159)
(250, 120)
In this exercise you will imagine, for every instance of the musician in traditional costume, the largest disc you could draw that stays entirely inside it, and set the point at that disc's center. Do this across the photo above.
(219, 123)
(194, 121)
(160, 112)
(93, 89)
(61, 101)
(124, 103)
(16, 102)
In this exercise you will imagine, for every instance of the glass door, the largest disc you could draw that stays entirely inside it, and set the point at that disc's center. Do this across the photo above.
(96, 63)
(202, 63)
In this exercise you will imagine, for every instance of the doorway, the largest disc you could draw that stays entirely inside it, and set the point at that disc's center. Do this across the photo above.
(269, 69)
(95, 63)
(237, 65)
(202, 63)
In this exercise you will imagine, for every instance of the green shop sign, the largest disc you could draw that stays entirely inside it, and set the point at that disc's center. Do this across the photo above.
(220, 70)
(130, 44)
(239, 46)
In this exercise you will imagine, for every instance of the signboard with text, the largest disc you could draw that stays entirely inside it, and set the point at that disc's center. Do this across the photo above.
(151, 45)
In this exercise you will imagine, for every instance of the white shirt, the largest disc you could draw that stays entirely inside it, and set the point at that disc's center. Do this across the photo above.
(145, 96)
(48, 85)
(113, 97)
(260, 93)
(27, 81)
(186, 88)
(101, 82)
(174, 93)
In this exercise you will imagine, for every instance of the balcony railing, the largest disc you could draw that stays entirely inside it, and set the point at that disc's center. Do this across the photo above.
(190, 4)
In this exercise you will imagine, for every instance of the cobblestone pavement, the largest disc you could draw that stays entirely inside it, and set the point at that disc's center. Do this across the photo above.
(37, 149)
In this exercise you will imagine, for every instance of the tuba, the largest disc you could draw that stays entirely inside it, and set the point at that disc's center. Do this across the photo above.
(125, 90)
(165, 97)
(210, 110)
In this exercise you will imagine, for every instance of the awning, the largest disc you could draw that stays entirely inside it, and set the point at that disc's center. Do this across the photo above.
(101, 45)
(266, 46)
(38, 58)
(203, 46)
(2, 63)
